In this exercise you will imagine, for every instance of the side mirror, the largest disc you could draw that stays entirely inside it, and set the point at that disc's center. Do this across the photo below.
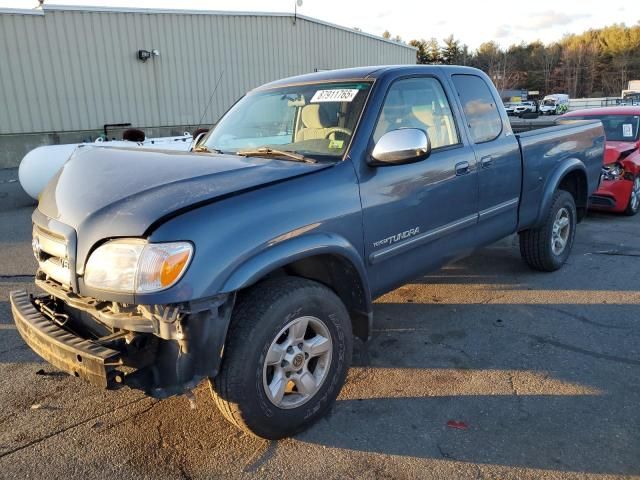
(405, 145)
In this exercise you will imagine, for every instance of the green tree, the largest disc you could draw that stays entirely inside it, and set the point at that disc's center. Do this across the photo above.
(433, 51)
(421, 53)
(451, 52)
(428, 51)
(621, 53)
(598, 62)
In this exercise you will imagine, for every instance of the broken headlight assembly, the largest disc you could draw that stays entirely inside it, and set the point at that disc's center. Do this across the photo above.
(136, 266)
(612, 172)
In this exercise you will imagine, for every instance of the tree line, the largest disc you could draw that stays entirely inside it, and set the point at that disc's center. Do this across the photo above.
(595, 63)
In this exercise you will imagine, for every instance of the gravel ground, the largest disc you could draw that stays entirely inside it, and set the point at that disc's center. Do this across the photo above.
(542, 372)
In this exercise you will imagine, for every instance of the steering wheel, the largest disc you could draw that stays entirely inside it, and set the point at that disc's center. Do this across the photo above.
(331, 130)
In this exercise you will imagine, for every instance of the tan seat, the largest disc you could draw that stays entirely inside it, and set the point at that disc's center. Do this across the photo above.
(315, 124)
(432, 124)
(439, 127)
(416, 108)
(424, 114)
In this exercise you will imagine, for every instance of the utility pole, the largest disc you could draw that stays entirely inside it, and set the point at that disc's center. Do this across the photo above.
(504, 71)
(295, 10)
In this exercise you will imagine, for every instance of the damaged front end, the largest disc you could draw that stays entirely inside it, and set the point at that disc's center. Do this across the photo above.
(163, 350)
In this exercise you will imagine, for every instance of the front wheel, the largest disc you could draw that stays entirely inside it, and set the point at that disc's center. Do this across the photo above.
(547, 248)
(634, 199)
(286, 358)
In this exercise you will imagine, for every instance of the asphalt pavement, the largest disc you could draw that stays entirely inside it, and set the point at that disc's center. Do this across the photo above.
(483, 369)
(12, 195)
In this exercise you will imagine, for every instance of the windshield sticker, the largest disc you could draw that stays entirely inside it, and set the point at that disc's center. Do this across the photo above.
(627, 130)
(336, 95)
(336, 143)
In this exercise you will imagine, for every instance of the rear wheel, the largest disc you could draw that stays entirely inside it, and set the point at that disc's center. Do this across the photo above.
(547, 248)
(634, 199)
(286, 358)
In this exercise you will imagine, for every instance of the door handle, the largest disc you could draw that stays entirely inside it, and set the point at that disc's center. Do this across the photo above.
(486, 162)
(462, 168)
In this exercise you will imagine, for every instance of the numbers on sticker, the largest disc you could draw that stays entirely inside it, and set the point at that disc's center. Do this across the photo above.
(335, 95)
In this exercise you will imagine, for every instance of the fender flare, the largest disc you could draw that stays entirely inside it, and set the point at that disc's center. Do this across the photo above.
(276, 255)
(553, 182)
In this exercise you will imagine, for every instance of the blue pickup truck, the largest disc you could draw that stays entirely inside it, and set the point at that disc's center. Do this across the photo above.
(253, 260)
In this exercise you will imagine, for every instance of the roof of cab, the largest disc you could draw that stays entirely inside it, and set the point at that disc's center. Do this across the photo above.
(364, 73)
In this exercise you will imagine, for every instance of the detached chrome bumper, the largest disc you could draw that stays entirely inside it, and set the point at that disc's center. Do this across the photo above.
(75, 355)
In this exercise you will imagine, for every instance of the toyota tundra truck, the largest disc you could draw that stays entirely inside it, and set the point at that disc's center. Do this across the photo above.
(253, 260)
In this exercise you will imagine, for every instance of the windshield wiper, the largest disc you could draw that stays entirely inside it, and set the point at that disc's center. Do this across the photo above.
(266, 151)
(205, 149)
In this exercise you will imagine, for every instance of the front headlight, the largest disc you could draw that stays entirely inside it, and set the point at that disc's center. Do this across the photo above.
(135, 266)
(613, 172)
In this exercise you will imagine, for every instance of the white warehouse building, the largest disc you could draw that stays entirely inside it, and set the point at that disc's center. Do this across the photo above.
(68, 71)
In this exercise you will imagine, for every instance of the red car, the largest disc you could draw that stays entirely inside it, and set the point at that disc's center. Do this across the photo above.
(620, 187)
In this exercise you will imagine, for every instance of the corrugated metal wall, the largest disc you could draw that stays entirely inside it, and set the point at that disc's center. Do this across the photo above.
(68, 70)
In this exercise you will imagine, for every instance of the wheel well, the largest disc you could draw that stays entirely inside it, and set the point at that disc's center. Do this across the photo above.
(575, 182)
(341, 276)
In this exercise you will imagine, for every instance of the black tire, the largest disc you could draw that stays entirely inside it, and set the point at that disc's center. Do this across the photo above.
(536, 244)
(259, 316)
(631, 210)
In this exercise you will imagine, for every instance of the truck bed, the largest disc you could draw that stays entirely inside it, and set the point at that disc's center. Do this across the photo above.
(544, 151)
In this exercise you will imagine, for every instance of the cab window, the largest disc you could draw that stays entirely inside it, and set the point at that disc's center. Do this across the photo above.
(418, 102)
(480, 109)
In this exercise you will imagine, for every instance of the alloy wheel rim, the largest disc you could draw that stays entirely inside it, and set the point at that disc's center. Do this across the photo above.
(635, 194)
(297, 362)
(560, 231)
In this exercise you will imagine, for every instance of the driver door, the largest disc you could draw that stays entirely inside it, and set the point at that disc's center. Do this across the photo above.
(418, 215)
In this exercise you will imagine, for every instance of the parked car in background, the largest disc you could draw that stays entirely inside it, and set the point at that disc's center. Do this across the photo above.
(554, 104)
(630, 98)
(620, 187)
(524, 107)
(509, 108)
(254, 260)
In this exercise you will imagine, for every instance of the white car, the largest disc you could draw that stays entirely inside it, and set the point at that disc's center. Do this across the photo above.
(509, 107)
(523, 107)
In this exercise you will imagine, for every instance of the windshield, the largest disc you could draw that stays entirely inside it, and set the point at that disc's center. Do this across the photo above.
(314, 120)
(617, 128)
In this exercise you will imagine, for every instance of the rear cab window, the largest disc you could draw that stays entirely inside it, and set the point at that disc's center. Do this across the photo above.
(480, 109)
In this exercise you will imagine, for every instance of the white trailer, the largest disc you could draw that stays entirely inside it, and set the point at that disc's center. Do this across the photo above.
(41, 164)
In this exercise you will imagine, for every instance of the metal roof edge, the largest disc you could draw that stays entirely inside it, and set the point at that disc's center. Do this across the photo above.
(80, 8)
(21, 11)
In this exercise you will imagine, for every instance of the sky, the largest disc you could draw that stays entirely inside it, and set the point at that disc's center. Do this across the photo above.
(472, 22)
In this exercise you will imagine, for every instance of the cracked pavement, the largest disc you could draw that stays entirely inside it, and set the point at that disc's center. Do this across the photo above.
(541, 368)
